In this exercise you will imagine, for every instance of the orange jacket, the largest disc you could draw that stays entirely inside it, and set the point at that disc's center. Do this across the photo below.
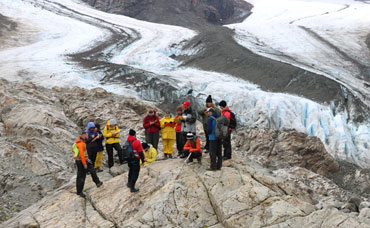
(82, 149)
(195, 147)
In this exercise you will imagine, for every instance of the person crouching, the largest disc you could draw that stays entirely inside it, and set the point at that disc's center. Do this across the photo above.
(192, 146)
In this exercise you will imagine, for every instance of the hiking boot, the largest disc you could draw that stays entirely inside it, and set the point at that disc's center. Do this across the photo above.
(225, 158)
(170, 155)
(98, 170)
(199, 160)
(134, 189)
(210, 169)
(183, 156)
(99, 184)
(206, 151)
(165, 156)
(190, 160)
(81, 195)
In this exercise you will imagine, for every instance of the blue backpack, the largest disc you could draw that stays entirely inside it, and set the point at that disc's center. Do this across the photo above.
(128, 152)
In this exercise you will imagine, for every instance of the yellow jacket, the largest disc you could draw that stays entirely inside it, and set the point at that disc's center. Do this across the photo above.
(168, 127)
(150, 156)
(109, 138)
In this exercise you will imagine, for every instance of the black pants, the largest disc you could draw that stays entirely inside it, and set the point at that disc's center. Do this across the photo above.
(227, 146)
(193, 155)
(207, 140)
(179, 142)
(152, 138)
(81, 175)
(109, 148)
(215, 152)
(133, 172)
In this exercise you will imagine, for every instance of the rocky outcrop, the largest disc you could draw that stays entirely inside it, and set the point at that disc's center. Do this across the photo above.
(287, 148)
(183, 13)
(38, 127)
(239, 195)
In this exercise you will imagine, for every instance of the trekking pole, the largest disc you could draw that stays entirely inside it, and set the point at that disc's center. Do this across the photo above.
(182, 167)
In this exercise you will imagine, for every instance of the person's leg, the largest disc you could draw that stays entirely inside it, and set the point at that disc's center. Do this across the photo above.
(148, 138)
(81, 175)
(155, 140)
(207, 140)
(219, 154)
(95, 178)
(212, 153)
(170, 144)
(99, 159)
(227, 146)
(109, 148)
(118, 148)
(165, 146)
(129, 174)
(135, 175)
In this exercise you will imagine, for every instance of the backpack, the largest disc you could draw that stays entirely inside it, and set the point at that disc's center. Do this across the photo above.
(222, 127)
(75, 150)
(232, 123)
(127, 151)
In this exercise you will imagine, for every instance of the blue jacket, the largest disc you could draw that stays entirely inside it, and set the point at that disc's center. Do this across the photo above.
(211, 126)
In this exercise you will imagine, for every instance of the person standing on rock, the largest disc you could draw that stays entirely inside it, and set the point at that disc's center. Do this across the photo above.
(179, 138)
(188, 122)
(192, 146)
(226, 142)
(150, 154)
(134, 163)
(112, 133)
(202, 112)
(83, 164)
(168, 134)
(152, 125)
(215, 145)
(99, 155)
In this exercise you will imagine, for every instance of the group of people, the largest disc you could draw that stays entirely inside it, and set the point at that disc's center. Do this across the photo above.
(181, 129)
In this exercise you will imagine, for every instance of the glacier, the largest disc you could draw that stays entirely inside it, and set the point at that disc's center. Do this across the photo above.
(61, 28)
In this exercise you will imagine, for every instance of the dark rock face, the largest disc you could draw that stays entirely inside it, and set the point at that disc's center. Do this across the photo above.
(277, 149)
(185, 13)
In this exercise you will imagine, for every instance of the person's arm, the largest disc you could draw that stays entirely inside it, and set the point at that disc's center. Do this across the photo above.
(187, 146)
(201, 111)
(118, 134)
(209, 126)
(157, 124)
(228, 115)
(162, 123)
(106, 133)
(146, 123)
(81, 149)
(191, 118)
(197, 146)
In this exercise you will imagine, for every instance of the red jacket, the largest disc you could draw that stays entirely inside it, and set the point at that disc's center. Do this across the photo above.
(195, 147)
(178, 125)
(151, 128)
(226, 112)
(136, 146)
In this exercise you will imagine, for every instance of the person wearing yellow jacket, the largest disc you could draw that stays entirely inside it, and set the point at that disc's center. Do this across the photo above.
(111, 134)
(168, 125)
(150, 154)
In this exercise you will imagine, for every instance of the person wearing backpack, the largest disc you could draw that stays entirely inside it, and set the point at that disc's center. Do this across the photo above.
(192, 146)
(83, 164)
(214, 142)
(92, 146)
(232, 124)
(99, 155)
(203, 113)
(134, 155)
(179, 139)
(152, 126)
(168, 134)
(112, 133)
(150, 154)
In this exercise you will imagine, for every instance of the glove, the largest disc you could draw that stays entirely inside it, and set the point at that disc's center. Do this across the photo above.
(85, 166)
(89, 161)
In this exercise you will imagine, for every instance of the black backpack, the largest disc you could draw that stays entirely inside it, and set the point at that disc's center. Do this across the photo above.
(232, 123)
(127, 151)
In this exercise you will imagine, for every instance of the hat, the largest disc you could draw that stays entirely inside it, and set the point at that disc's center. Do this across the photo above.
(144, 145)
(132, 132)
(186, 104)
(112, 122)
(209, 99)
(222, 103)
(189, 135)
